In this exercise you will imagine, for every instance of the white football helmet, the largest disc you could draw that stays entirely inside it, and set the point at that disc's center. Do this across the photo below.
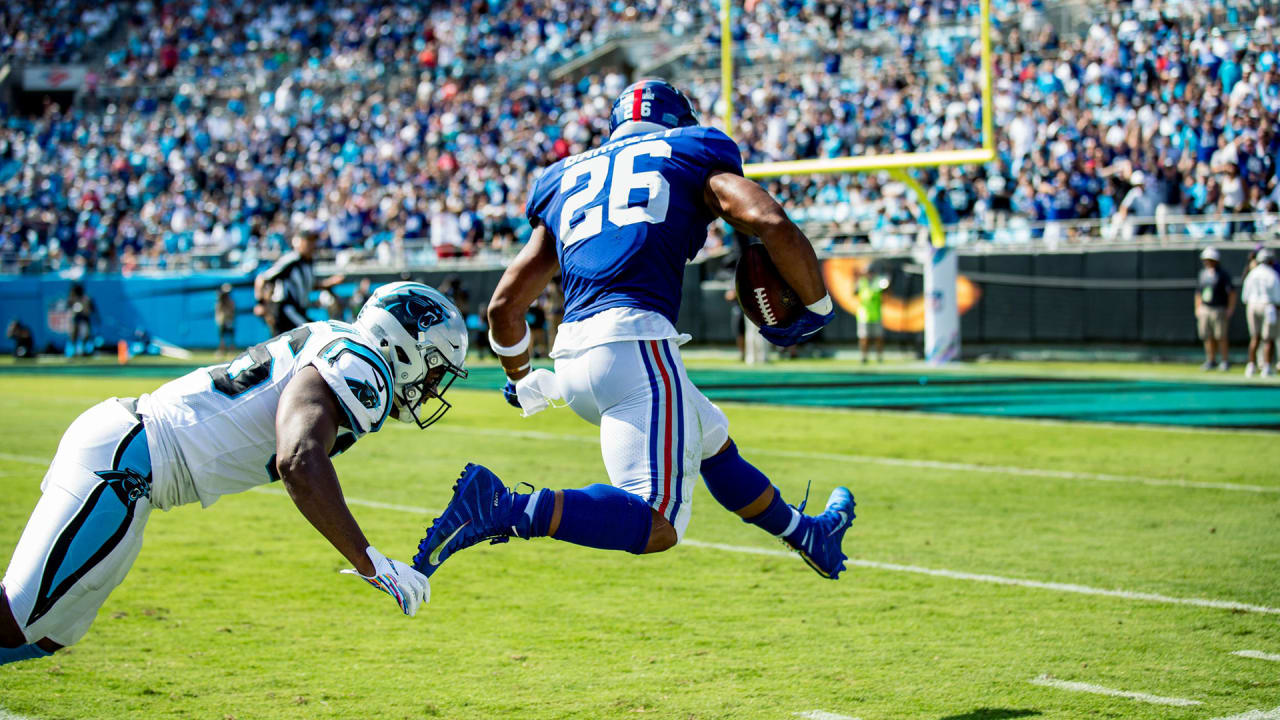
(424, 338)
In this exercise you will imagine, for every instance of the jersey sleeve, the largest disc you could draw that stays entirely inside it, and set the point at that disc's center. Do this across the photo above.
(540, 197)
(716, 151)
(360, 380)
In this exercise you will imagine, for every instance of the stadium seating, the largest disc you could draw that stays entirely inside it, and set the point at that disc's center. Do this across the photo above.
(407, 133)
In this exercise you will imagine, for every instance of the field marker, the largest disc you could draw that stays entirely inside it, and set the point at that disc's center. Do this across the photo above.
(908, 462)
(1257, 655)
(6, 715)
(892, 567)
(1052, 682)
(1255, 715)
(811, 715)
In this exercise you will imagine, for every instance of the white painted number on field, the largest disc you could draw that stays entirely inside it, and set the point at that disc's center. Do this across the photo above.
(1257, 655)
(1070, 686)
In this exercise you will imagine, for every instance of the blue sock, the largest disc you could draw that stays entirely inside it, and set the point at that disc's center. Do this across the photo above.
(531, 514)
(22, 652)
(736, 483)
(598, 516)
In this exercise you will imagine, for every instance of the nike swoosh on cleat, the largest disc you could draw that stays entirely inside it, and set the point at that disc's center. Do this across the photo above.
(434, 557)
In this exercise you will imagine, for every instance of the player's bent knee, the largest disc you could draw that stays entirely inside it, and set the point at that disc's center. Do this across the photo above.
(662, 536)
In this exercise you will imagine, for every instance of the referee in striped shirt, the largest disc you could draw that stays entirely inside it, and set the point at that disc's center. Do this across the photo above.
(284, 290)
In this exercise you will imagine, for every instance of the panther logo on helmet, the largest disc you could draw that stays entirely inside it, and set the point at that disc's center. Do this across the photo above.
(423, 338)
(416, 309)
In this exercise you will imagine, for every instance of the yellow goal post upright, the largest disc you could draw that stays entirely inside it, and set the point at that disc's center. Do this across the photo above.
(942, 321)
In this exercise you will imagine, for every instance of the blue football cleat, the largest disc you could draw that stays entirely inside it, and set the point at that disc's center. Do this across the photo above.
(820, 540)
(479, 506)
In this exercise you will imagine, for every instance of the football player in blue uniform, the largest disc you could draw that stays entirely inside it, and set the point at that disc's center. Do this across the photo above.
(618, 223)
(279, 411)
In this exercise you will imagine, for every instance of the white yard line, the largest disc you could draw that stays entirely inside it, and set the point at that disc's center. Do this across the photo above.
(905, 462)
(810, 715)
(1052, 682)
(363, 503)
(1255, 715)
(1017, 582)
(872, 564)
(30, 459)
(6, 715)
(1257, 655)
(892, 567)
(841, 457)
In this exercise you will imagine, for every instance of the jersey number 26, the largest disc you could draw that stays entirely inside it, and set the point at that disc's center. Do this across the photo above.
(619, 172)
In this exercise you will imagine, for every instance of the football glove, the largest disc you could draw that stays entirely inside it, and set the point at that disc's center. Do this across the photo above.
(509, 392)
(408, 587)
(803, 327)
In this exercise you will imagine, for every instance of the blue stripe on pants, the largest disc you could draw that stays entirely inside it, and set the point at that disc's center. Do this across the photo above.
(679, 411)
(653, 426)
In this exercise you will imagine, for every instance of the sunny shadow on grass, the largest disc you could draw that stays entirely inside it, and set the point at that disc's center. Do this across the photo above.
(992, 714)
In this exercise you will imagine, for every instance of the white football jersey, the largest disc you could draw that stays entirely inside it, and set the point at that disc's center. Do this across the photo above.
(212, 432)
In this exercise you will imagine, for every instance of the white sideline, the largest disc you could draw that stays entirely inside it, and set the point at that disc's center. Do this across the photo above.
(892, 567)
(809, 714)
(1052, 682)
(1257, 655)
(1255, 715)
(6, 715)
(908, 462)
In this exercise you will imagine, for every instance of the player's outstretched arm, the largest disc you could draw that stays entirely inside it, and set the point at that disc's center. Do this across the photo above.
(751, 210)
(524, 279)
(306, 427)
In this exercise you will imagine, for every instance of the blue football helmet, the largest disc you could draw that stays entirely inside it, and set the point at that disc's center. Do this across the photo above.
(652, 101)
(424, 339)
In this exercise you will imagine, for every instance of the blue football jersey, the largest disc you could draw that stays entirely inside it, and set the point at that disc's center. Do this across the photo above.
(628, 215)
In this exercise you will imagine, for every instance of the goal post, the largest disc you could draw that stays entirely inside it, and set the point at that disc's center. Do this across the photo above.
(942, 336)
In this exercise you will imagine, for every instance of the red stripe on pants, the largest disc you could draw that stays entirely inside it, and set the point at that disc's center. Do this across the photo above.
(666, 433)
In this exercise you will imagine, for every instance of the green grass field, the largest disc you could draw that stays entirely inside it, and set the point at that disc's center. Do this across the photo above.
(238, 611)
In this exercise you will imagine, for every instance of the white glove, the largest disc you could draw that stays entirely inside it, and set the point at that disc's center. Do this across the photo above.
(538, 391)
(407, 586)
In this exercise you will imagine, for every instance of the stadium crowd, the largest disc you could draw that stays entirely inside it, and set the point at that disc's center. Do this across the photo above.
(383, 124)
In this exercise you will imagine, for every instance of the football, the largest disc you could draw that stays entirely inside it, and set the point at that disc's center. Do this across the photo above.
(766, 298)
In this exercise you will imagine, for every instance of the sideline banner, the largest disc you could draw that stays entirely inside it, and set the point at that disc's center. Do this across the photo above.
(54, 77)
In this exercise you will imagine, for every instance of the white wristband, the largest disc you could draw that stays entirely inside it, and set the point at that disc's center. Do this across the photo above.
(511, 350)
(822, 307)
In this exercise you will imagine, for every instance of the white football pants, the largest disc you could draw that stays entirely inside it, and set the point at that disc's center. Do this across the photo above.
(86, 529)
(656, 428)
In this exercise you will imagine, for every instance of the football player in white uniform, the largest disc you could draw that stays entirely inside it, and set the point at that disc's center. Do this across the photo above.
(279, 411)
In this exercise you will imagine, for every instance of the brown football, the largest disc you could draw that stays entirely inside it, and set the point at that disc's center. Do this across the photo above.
(766, 298)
